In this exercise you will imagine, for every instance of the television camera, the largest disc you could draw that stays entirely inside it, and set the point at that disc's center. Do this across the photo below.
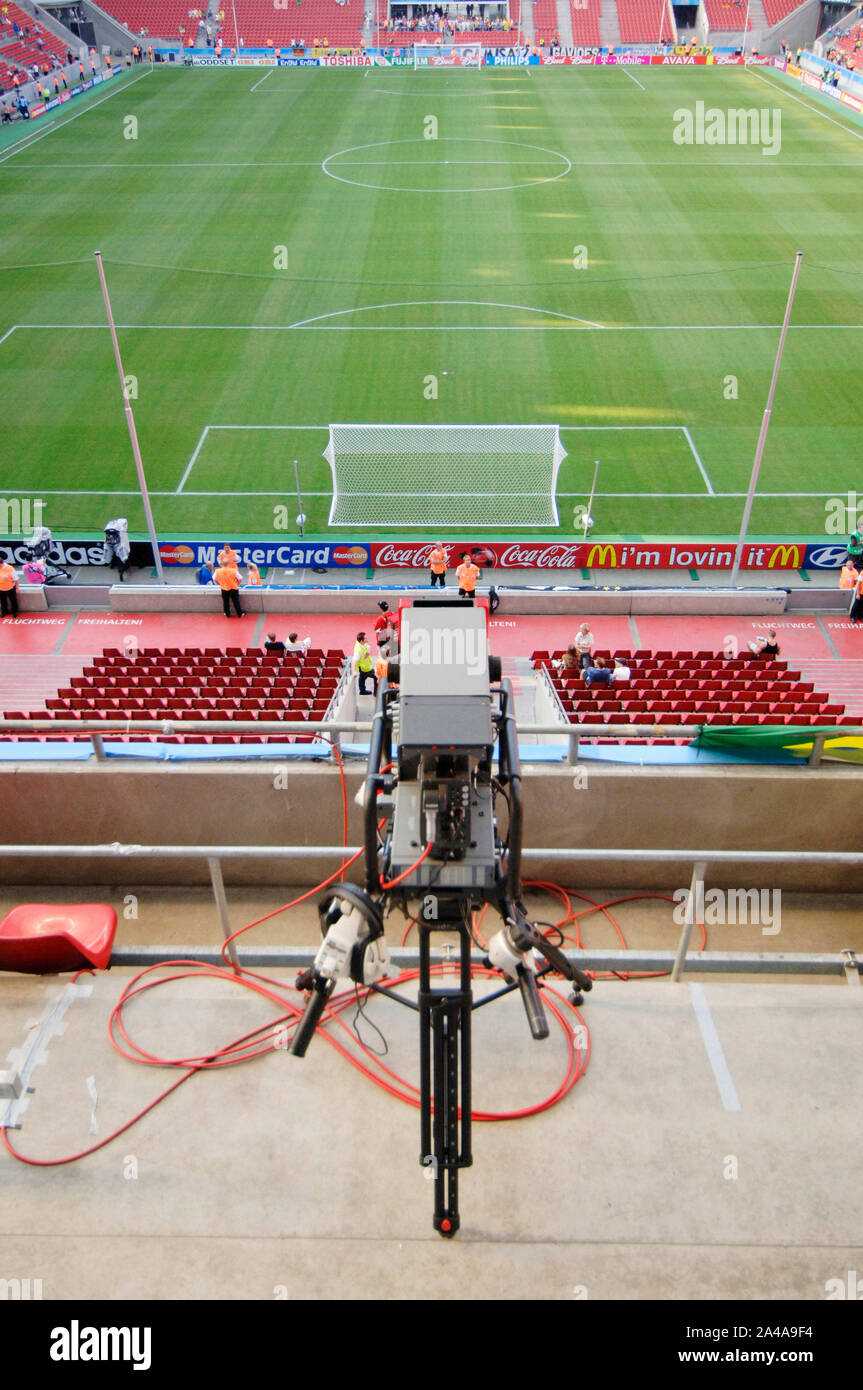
(431, 834)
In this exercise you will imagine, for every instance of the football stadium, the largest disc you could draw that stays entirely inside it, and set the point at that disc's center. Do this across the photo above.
(494, 368)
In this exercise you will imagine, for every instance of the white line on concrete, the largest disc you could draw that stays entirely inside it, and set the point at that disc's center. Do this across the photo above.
(623, 68)
(261, 80)
(713, 1047)
(58, 125)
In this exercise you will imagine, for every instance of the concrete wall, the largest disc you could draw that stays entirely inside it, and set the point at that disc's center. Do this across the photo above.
(187, 598)
(623, 807)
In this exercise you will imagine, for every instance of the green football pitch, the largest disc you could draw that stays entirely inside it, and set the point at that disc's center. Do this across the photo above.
(287, 248)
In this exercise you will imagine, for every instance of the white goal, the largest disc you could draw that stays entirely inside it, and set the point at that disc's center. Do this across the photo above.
(444, 475)
(454, 54)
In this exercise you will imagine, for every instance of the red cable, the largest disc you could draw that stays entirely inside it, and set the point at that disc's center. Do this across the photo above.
(391, 883)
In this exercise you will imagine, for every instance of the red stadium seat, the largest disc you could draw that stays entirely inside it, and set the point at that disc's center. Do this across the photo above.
(49, 939)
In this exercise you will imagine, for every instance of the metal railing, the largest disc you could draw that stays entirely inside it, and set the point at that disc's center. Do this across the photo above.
(675, 963)
(96, 729)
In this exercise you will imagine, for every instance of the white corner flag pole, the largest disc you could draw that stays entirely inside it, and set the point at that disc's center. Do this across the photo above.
(130, 421)
(765, 424)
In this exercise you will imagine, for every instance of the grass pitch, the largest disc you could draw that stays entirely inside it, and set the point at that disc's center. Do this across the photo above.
(289, 249)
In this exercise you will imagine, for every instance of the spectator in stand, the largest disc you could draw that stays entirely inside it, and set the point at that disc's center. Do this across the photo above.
(849, 575)
(598, 674)
(437, 564)
(228, 579)
(467, 575)
(584, 644)
(363, 665)
(569, 662)
(274, 647)
(765, 646)
(8, 590)
(622, 674)
(205, 573)
(295, 644)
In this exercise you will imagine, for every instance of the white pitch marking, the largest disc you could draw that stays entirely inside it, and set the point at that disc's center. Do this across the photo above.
(630, 76)
(809, 107)
(190, 465)
(583, 324)
(713, 1047)
(8, 334)
(261, 80)
(416, 303)
(58, 125)
(697, 457)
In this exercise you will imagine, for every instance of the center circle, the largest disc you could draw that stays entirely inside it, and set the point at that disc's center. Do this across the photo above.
(383, 173)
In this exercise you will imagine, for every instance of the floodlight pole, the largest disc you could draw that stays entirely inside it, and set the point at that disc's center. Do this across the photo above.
(130, 421)
(765, 423)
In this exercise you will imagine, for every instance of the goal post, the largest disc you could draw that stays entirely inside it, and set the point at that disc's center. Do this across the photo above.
(444, 475)
(453, 53)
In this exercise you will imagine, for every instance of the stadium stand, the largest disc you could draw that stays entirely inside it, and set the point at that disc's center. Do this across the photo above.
(585, 23)
(777, 10)
(163, 18)
(640, 21)
(258, 23)
(692, 688)
(849, 46)
(196, 684)
(545, 21)
(727, 16)
(23, 50)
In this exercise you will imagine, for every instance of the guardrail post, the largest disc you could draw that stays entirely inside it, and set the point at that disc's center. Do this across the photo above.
(573, 748)
(98, 747)
(688, 921)
(814, 759)
(215, 867)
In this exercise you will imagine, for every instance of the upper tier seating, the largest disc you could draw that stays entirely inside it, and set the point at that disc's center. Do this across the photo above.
(640, 20)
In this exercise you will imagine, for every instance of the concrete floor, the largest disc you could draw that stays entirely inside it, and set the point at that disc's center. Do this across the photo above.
(304, 1175)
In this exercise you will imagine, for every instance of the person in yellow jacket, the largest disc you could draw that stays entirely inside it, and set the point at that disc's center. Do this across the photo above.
(228, 579)
(8, 590)
(363, 664)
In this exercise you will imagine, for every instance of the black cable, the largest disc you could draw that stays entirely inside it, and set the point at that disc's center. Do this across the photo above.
(360, 1012)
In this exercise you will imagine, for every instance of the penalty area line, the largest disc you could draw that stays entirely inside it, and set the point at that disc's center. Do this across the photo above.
(261, 81)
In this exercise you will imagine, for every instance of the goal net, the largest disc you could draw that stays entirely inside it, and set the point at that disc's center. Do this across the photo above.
(448, 55)
(444, 475)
